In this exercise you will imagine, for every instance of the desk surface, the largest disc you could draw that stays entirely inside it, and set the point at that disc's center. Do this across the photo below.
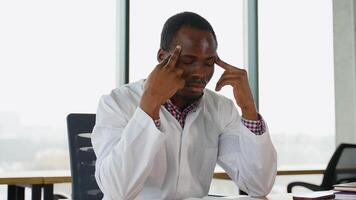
(35, 177)
(269, 197)
(223, 175)
(64, 176)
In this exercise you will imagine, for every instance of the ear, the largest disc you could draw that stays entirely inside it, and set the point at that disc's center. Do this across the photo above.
(161, 54)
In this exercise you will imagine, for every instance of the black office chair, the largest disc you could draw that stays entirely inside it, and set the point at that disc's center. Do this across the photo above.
(82, 157)
(341, 169)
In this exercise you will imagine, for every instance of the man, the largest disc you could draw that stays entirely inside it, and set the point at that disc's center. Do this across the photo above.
(160, 138)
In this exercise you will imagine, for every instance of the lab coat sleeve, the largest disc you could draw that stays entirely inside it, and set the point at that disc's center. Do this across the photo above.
(125, 147)
(249, 159)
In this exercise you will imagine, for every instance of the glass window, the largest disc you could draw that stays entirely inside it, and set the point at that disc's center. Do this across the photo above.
(57, 57)
(296, 83)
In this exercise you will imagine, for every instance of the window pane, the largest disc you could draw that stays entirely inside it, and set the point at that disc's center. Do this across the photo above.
(57, 57)
(296, 79)
(146, 27)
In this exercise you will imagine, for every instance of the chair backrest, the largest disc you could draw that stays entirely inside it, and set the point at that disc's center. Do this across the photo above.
(341, 167)
(82, 157)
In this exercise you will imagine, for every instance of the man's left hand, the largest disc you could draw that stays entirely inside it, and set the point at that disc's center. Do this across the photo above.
(237, 78)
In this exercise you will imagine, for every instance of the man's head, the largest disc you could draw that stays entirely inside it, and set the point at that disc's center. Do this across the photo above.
(198, 41)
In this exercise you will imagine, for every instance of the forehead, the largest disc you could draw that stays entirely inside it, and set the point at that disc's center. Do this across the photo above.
(195, 41)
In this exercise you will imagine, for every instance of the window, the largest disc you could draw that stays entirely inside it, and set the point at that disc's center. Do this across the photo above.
(296, 80)
(57, 57)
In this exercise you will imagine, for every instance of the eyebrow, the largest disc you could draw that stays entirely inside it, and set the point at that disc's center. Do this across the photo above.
(192, 56)
(211, 57)
(187, 55)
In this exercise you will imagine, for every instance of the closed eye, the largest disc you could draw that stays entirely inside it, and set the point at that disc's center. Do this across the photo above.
(187, 60)
(210, 62)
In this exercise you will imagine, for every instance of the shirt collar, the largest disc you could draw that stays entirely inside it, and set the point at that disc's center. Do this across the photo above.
(190, 108)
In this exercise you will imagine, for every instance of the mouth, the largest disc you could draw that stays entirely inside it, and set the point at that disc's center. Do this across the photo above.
(194, 87)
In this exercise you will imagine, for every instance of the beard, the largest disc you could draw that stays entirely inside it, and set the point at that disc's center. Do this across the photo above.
(188, 96)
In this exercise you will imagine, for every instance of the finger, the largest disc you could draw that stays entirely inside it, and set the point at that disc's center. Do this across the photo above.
(174, 58)
(228, 74)
(224, 82)
(179, 72)
(224, 65)
(164, 61)
(220, 79)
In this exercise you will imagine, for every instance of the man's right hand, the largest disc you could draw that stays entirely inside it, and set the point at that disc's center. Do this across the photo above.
(163, 82)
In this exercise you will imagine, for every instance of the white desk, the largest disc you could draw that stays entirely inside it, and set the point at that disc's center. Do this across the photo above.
(269, 197)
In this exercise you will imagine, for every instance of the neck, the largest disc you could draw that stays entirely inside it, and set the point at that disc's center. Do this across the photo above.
(179, 102)
(182, 102)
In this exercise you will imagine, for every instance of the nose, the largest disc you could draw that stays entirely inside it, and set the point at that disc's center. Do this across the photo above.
(200, 73)
(199, 70)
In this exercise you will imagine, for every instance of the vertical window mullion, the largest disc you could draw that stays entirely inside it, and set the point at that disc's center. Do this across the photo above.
(251, 45)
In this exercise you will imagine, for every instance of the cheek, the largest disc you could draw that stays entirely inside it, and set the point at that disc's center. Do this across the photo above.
(187, 69)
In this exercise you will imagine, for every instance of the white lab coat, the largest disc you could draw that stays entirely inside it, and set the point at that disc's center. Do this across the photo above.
(136, 160)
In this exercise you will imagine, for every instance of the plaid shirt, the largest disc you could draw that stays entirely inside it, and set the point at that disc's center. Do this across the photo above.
(257, 127)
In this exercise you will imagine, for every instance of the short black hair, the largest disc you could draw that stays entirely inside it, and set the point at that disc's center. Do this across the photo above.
(174, 23)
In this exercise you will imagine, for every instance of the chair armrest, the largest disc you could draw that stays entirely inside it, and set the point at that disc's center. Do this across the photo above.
(310, 186)
(59, 196)
(346, 180)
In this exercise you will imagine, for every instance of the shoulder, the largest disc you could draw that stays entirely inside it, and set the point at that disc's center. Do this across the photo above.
(216, 100)
(124, 97)
(134, 89)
